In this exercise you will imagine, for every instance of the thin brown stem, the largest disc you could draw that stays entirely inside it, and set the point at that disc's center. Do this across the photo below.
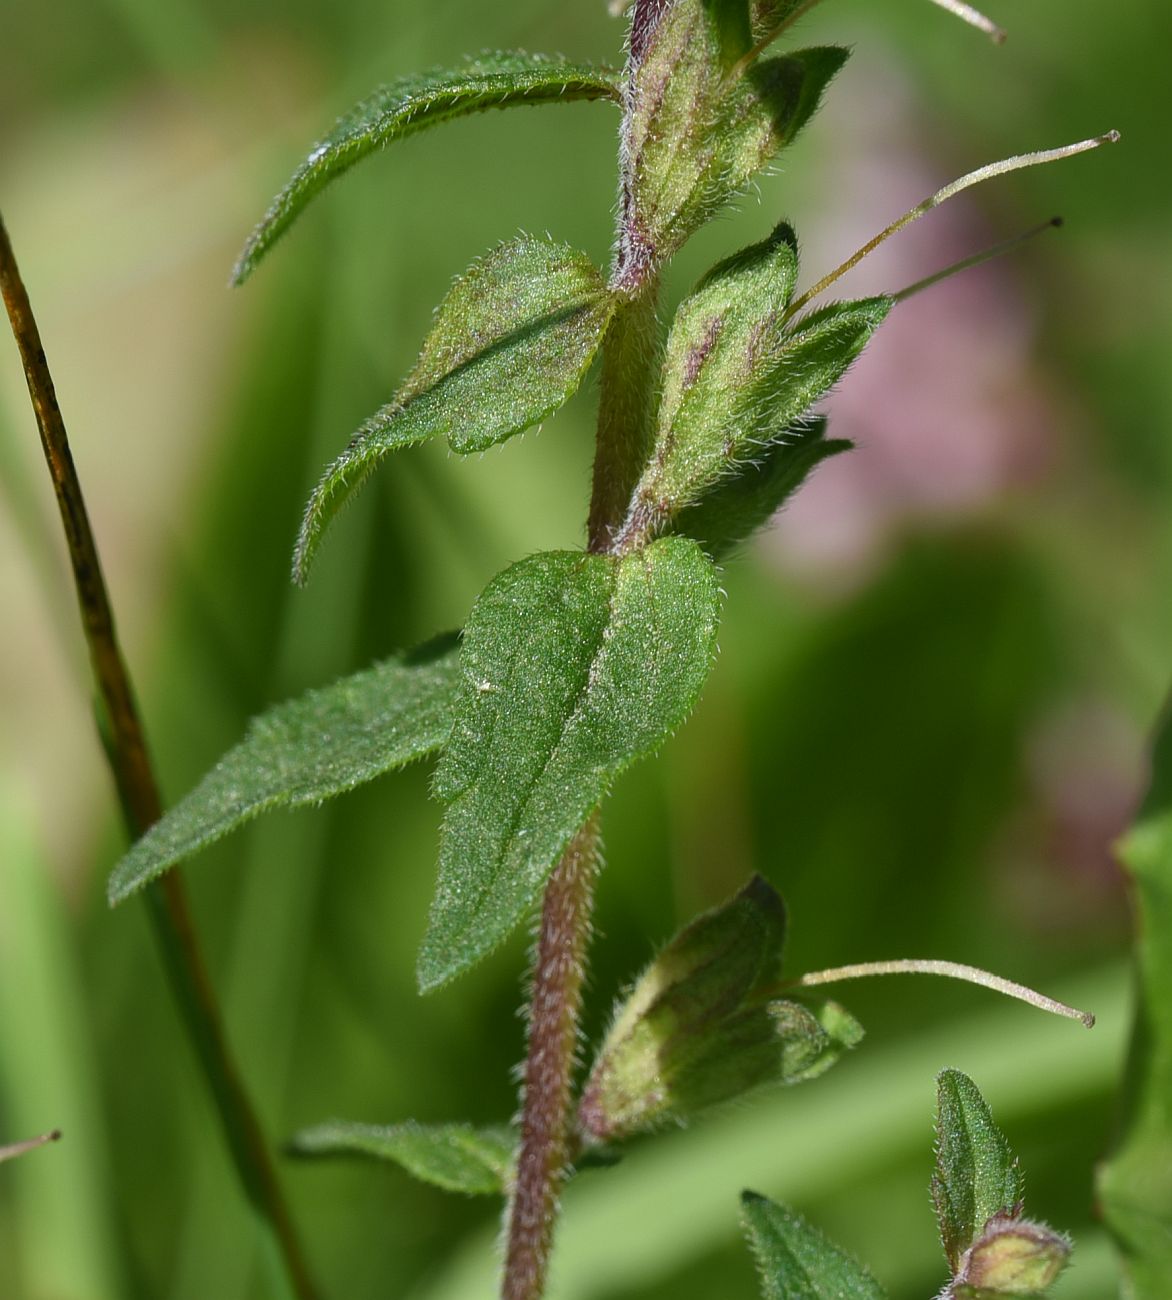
(129, 760)
(555, 999)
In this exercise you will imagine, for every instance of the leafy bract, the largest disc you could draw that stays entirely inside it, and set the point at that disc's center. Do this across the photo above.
(456, 1157)
(573, 666)
(796, 1262)
(736, 371)
(303, 751)
(977, 1177)
(745, 500)
(511, 342)
(1135, 1184)
(703, 121)
(413, 104)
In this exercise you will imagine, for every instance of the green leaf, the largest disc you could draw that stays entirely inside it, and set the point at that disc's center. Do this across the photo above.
(303, 751)
(1135, 1183)
(413, 104)
(745, 501)
(697, 131)
(796, 1262)
(512, 340)
(735, 371)
(456, 1157)
(977, 1177)
(573, 666)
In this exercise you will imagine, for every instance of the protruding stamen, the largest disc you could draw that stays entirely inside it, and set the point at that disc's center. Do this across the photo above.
(19, 1148)
(974, 18)
(997, 250)
(951, 970)
(1016, 163)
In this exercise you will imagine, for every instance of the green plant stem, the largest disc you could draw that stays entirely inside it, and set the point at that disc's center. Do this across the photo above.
(625, 407)
(555, 999)
(125, 746)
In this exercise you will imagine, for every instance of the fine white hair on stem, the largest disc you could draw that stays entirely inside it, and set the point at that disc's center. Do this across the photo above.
(950, 970)
(1017, 163)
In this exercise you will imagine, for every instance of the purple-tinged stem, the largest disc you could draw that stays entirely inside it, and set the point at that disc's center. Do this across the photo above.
(554, 1003)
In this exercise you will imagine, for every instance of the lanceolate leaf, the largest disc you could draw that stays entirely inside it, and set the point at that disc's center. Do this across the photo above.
(796, 1262)
(573, 667)
(738, 505)
(306, 750)
(977, 1176)
(413, 104)
(735, 371)
(1135, 1185)
(511, 342)
(456, 1157)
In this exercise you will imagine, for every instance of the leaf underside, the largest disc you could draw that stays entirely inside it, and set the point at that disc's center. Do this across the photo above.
(456, 1157)
(303, 751)
(573, 666)
(511, 342)
(977, 1176)
(796, 1262)
(412, 104)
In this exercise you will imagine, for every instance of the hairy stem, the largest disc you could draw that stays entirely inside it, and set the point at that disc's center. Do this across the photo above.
(126, 750)
(625, 411)
(554, 1003)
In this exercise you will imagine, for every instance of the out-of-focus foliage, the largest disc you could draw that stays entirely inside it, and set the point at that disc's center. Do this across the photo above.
(1136, 1183)
(918, 752)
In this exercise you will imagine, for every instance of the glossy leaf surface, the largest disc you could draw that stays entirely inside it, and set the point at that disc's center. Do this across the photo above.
(412, 104)
(573, 666)
(511, 342)
(303, 751)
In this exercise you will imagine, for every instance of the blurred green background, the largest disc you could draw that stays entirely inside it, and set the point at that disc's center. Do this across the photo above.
(926, 725)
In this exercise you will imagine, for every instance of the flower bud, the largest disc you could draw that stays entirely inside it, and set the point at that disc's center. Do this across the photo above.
(699, 1027)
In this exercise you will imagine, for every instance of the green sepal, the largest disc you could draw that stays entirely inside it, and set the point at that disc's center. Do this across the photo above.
(766, 16)
(699, 1027)
(573, 666)
(732, 26)
(736, 370)
(977, 1178)
(456, 1157)
(749, 497)
(512, 340)
(796, 1262)
(412, 104)
(697, 131)
(306, 750)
